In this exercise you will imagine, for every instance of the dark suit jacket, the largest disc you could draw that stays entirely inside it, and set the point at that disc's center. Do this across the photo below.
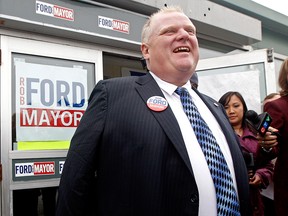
(126, 159)
(278, 112)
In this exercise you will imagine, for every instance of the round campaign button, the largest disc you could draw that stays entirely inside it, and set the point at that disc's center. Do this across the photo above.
(157, 103)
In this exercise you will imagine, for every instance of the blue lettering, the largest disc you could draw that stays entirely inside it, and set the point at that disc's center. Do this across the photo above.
(99, 21)
(62, 89)
(16, 169)
(47, 100)
(61, 165)
(105, 22)
(22, 169)
(44, 8)
(159, 101)
(80, 86)
(30, 91)
(62, 92)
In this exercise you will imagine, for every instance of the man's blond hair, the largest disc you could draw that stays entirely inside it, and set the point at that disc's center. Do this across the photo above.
(147, 31)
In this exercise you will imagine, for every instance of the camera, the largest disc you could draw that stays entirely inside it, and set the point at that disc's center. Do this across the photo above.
(249, 160)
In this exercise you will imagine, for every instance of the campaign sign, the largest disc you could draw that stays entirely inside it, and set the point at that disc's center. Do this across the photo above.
(34, 168)
(50, 101)
(55, 11)
(61, 166)
(37, 168)
(113, 24)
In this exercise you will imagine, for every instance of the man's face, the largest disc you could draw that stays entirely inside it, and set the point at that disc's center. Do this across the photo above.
(172, 51)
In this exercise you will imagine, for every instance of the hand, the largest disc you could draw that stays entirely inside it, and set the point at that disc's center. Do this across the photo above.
(269, 140)
(255, 180)
(250, 174)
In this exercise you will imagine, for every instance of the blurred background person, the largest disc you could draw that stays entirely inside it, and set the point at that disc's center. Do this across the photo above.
(260, 170)
(271, 97)
(277, 109)
(194, 80)
(268, 193)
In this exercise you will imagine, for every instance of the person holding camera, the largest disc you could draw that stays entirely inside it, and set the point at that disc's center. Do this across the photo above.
(260, 169)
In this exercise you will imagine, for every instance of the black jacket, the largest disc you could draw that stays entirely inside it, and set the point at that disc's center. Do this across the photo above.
(135, 158)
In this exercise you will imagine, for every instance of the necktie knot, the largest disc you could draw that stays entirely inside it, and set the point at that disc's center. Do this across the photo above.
(180, 90)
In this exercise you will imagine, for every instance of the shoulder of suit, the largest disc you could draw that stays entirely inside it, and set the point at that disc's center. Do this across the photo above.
(120, 79)
(209, 99)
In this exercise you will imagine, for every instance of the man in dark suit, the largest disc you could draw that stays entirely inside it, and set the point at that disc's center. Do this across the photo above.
(135, 152)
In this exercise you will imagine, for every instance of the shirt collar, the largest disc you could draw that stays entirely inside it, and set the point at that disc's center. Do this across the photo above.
(168, 87)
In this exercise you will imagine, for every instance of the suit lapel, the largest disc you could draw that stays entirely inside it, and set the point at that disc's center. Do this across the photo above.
(147, 87)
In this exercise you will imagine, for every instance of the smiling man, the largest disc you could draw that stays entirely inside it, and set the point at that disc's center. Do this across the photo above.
(170, 46)
(136, 152)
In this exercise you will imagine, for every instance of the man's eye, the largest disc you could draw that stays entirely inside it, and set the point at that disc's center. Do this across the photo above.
(170, 31)
(191, 32)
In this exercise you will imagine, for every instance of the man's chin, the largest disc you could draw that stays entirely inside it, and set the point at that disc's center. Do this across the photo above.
(186, 67)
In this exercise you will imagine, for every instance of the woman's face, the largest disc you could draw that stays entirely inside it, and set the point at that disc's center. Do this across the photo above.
(234, 110)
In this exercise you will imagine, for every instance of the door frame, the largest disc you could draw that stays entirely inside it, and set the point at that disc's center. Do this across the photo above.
(60, 50)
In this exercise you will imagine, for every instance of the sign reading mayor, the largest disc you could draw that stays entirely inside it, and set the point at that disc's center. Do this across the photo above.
(50, 101)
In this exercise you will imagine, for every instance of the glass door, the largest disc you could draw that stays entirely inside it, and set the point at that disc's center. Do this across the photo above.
(44, 93)
(250, 73)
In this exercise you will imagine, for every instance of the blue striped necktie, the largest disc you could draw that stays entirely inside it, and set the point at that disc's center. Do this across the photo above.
(227, 201)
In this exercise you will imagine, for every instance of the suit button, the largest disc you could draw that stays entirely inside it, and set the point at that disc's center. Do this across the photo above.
(194, 198)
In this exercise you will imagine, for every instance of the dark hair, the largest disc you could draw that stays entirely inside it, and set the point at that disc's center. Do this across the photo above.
(225, 99)
(282, 79)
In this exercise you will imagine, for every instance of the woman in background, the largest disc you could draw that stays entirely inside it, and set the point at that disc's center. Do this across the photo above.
(277, 109)
(260, 169)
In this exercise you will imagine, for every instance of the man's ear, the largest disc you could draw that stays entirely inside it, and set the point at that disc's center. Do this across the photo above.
(145, 50)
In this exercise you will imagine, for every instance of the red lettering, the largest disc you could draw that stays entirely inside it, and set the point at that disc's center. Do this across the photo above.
(22, 81)
(22, 91)
(44, 168)
(22, 101)
(35, 117)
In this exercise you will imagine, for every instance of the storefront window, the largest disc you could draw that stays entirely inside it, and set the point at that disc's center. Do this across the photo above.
(50, 97)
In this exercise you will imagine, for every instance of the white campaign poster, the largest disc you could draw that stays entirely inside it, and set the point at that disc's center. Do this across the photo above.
(247, 83)
(50, 101)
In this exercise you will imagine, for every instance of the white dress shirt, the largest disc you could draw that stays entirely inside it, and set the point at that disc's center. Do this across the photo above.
(204, 181)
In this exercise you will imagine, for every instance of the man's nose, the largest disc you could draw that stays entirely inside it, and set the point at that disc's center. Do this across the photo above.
(183, 34)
